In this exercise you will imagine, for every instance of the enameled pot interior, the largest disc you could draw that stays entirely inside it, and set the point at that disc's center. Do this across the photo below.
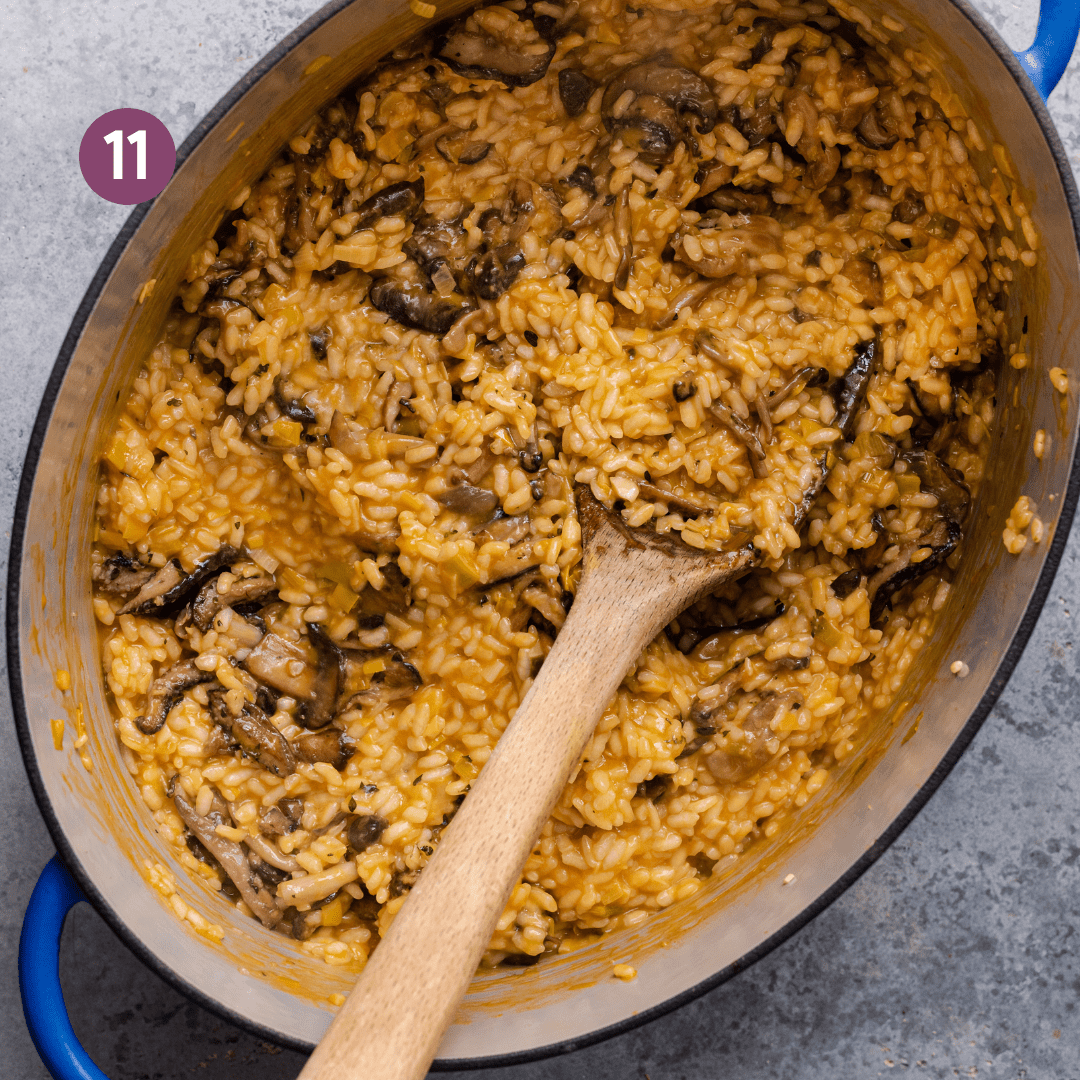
(262, 980)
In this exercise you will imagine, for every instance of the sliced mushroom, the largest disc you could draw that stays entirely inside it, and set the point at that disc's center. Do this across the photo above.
(274, 821)
(283, 665)
(167, 690)
(721, 252)
(397, 680)
(170, 588)
(416, 305)
(941, 539)
(658, 494)
(693, 636)
(799, 381)
(742, 430)
(330, 745)
(953, 495)
(402, 199)
(909, 208)
(708, 701)
(155, 589)
(624, 238)
(364, 830)
(846, 583)
(493, 272)
(211, 599)
(739, 760)
(256, 735)
(666, 95)
(873, 130)
(575, 90)
(120, 575)
(348, 436)
(508, 529)
(319, 707)
(465, 498)
(851, 387)
(480, 56)
(227, 852)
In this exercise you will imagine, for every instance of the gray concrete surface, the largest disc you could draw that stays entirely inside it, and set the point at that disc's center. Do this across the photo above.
(953, 956)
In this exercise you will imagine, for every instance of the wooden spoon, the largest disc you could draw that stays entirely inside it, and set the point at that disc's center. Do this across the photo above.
(633, 582)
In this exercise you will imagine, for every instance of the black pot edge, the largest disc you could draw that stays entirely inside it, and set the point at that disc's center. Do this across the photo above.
(899, 823)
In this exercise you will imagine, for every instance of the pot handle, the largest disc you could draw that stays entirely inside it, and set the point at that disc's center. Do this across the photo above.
(1055, 37)
(54, 895)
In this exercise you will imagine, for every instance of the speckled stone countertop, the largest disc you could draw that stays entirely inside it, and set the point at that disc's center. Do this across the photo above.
(953, 956)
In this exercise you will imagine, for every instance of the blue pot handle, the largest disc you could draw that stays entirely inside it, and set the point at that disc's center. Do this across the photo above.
(39, 975)
(1055, 37)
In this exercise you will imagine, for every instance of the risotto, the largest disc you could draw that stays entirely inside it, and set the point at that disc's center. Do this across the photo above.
(529, 256)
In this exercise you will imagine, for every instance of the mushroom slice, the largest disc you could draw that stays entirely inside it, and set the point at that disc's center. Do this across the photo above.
(799, 381)
(283, 665)
(517, 560)
(402, 199)
(330, 745)
(170, 588)
(155, 589)
(624, 238)
(851, 387)
(480, 56)
(508, 529)
(666, 96)
(705, 636)
(417, 306)
(721, 252)
(211, 599)
(227, 852)
(348, 436)
(658, 494)
(493, 272)
(465, 498)
(687, 296)
(953, 495)
(739, 760)
(257, 736)
(120, 575)
(364, 830)
(745, 433)
(167, 690)
(941, 538)
(274, 821)
(709, 700)
(575, 89)
(318, 709)
(397, 679)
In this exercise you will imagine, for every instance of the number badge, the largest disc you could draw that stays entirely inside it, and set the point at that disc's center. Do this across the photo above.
(127, 156)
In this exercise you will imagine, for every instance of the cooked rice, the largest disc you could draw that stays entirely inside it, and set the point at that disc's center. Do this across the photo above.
(911, 245)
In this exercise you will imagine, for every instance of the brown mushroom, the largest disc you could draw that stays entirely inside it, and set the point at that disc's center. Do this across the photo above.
(738, 760)
(332, 746)
(120, 575)
(255, 734)
(850, 388)
(666, 96)
(228, 853)
(402, 199)
(481, 56)
(575, 90)
(170, 588)
(742, 430)
(166, 692)
(212, 599)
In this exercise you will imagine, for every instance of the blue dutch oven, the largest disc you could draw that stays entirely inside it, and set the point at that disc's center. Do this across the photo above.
(259, 980)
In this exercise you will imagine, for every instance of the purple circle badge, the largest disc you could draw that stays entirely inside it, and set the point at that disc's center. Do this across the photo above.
(127, 156)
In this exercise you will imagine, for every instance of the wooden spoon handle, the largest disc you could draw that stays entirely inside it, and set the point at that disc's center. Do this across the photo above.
(392, 1023)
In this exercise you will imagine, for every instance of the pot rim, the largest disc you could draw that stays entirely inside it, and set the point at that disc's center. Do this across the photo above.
(1005, 667)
